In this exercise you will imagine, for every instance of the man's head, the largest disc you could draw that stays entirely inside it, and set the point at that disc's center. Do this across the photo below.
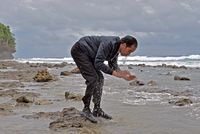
(128, 44)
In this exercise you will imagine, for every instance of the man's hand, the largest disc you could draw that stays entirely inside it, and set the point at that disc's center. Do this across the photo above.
(124, 74)
(130, 77)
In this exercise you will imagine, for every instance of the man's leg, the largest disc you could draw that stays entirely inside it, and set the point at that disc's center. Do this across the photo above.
(97, 94)
(89, 74)
(98, 91)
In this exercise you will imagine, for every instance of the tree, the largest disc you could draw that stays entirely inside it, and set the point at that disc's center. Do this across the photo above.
(7, 41)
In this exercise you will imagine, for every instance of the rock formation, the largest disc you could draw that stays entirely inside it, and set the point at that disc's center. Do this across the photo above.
(7, 42)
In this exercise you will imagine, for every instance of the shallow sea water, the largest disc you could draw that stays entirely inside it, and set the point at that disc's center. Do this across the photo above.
(135, 109)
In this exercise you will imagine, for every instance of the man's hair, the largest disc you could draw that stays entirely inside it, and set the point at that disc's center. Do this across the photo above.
(129, 40)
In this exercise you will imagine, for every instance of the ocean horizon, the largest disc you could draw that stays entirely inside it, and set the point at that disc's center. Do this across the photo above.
(187, 61)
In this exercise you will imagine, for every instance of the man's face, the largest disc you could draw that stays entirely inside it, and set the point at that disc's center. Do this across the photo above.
(125, 51)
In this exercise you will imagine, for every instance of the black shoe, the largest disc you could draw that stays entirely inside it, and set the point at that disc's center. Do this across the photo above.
(87, 114)
(98, 112)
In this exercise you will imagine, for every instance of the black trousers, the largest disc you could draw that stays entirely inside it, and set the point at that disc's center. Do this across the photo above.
(94, 78)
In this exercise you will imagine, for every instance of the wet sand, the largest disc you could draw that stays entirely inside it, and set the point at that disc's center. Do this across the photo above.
(135, 109)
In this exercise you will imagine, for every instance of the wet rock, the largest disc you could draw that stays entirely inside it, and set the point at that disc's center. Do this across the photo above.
(11, 84)
(34, 116)
(3, 66)
(60, 124)
(136, 83)
(43, 102)
(48, 65)
(43, 76)
(50, 115)
(168, 73)
(63, 64)
(19, 72)
(75, 71)
(181, 78)
(57, 100)
(23, 99)
(141, 65)
(29, 95)
(65, 73)
(175, 93)
(171, 66)
(71, 96)
(6, 109)
(141, 70)
(181, 102)
(183, 67)
(23, 105)
(183, 93)
(152, 83)
(10, 92)
(164, 65)
(70, 118)
(130, 67)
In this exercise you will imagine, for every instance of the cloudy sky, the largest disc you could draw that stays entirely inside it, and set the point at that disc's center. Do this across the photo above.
(48, 28)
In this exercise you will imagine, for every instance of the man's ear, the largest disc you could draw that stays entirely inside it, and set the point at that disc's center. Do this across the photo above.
(124, 45)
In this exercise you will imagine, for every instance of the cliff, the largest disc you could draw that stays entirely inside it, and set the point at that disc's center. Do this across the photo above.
(7, 42)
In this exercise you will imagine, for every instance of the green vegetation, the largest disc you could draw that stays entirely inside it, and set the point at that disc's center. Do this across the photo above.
(7, 39)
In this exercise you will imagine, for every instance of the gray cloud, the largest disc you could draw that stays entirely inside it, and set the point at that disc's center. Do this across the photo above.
(48, 28)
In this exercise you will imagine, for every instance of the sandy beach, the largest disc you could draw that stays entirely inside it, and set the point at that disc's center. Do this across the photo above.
(150, 105)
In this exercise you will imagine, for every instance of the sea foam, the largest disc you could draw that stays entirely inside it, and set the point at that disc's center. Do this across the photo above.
(188, 61)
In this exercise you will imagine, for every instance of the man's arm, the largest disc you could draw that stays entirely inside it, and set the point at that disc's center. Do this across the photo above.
(124, 74)
(113, 63)
(102, 53)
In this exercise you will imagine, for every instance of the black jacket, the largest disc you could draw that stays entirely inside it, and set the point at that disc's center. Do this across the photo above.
(100, 49)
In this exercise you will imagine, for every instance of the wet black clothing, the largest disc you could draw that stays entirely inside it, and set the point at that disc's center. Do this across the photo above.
(100, 49)
(89, 54)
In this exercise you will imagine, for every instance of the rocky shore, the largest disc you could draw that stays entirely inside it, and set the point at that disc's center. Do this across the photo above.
(50, 93)
(14, 75)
